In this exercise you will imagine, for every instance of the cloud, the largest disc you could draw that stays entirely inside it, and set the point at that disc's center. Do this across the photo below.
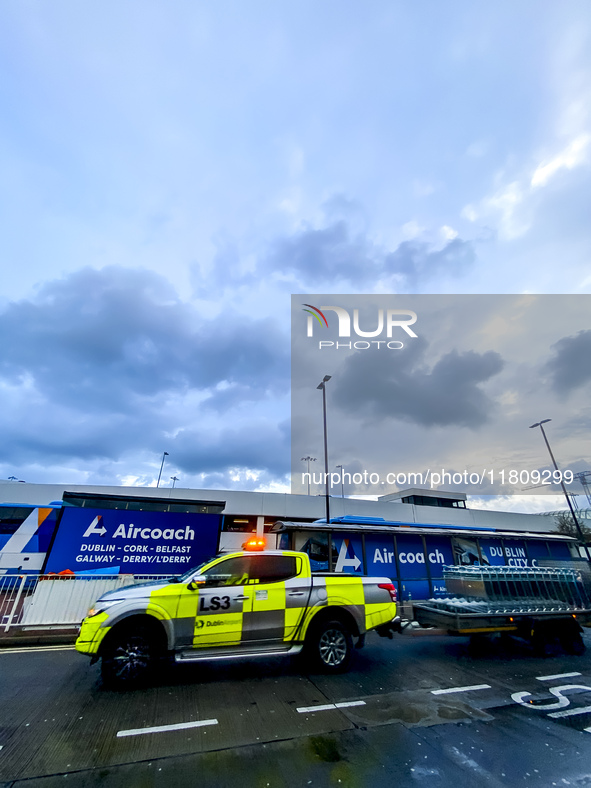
(572, 156)
(570, 366)
(504, 205)
(260, 444)
(514, 203)
(416, 261)
(333, 254)
(337, 251)
(102, 339)
(106, 364)
(330, 253)
(447, 393)
(229, 269)
(107, 447)
(448, 232)
(412, 230)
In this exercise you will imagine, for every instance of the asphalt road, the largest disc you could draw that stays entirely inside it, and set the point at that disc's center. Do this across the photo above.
(412, 711)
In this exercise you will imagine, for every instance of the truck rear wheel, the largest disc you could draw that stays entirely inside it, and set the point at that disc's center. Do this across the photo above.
(330, 646)
(128, 658)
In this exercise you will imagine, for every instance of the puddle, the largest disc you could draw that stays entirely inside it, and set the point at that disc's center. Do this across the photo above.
(413, 708)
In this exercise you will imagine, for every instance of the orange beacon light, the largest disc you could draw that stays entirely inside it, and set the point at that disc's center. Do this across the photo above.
(253, 544)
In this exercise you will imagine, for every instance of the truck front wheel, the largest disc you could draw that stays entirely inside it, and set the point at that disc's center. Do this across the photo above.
(128, 658)
(331, 646)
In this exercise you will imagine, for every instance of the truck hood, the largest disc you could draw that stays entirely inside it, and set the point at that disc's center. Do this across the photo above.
(135, 591)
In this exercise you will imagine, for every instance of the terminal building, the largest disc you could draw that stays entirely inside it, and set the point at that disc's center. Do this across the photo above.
(245, 512)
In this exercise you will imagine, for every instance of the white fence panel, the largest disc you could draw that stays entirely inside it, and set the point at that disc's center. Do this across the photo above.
(67, 601)
(54, 601)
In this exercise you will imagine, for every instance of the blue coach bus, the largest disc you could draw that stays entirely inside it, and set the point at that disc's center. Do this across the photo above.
(413, 555)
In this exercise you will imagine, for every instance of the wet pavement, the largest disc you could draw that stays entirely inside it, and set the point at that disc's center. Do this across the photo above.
(410, 711)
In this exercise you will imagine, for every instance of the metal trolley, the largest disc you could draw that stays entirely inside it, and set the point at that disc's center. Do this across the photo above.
(537, 603)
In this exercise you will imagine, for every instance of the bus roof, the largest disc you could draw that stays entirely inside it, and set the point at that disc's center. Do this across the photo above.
(392, 527)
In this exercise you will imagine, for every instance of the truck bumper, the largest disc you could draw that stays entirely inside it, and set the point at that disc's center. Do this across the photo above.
(91, 635)
(386, 630)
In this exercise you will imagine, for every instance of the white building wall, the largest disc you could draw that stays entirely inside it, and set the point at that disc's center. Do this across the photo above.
(282, 506)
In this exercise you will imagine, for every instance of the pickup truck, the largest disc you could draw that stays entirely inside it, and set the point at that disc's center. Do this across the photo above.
(247, 604)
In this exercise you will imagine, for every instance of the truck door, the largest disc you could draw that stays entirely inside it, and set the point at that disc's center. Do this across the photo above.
(223, 601)
(279, 599)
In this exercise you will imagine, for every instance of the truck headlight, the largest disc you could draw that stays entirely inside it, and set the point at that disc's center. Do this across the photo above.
(100, 607)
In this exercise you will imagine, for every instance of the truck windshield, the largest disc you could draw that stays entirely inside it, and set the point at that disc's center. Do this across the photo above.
(190, 572)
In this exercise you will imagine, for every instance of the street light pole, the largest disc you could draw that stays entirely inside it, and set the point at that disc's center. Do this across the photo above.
(174, 481)
(308, 459)
(322, 386)
(540, 424)
(161, 466)
(342, 480)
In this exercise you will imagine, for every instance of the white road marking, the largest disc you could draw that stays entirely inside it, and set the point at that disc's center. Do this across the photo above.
(179, 726)
(304, 709)
(460, 689)
(571, 712)
(328, 706)
(588, 730)
(558, 676)
(519, 697)
(28, 649)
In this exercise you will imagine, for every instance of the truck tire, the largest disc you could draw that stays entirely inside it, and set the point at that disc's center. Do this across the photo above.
(128, 659)
(330, 646)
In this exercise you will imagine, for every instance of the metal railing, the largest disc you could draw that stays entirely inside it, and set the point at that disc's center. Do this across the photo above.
(43, 601)
(505, 589)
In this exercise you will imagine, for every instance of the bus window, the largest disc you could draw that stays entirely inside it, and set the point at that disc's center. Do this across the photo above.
(465, 551)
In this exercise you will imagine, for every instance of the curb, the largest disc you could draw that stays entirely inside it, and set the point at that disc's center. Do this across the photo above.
(40, 639)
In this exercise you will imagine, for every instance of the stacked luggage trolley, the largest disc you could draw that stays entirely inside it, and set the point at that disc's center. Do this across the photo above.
(540, 604)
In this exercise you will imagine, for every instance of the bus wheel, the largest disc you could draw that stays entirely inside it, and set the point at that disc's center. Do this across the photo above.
(128, 659)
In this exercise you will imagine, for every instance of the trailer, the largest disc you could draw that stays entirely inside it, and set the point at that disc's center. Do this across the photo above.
(541, 605)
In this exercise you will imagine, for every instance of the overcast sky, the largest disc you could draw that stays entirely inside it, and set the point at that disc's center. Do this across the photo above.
(172, 173)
